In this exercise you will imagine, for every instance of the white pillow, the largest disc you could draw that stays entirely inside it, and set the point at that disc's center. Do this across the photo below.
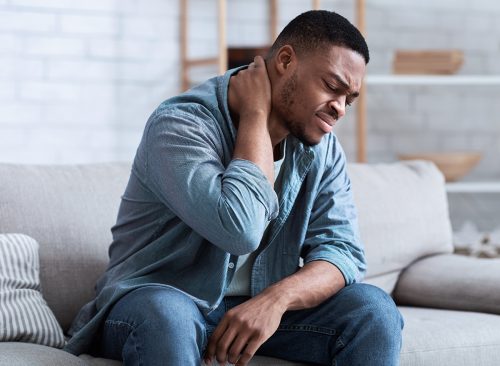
(24, 314)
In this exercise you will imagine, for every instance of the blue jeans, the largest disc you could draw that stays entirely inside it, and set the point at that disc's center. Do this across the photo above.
(157, 325)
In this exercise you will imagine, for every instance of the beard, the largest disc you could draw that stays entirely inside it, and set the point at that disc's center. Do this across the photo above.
(296, 128)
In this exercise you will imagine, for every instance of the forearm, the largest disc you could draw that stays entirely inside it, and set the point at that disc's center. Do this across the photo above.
(308, 287)
(248, 325)
(253, 143)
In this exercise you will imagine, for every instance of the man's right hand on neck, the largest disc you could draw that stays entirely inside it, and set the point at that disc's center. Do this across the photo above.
(250, 100)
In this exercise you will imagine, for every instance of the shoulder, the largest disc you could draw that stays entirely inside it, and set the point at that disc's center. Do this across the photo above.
(186, 116)
(199, 103)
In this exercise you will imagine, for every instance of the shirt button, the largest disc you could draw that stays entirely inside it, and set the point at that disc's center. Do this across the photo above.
(231, 265)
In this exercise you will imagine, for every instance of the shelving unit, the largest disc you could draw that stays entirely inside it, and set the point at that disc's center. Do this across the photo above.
(417, 80)
(422, 80)
(221, 58)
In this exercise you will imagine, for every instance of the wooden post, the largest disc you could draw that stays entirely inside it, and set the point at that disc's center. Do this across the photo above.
(184, 36)
(222, 37)
(316, 4)
(361, 107)
(273, 20)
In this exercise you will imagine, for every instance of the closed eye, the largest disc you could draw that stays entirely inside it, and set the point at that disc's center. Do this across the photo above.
(332, 88)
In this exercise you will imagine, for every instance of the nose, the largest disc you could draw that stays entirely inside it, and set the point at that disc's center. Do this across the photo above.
(338, 104)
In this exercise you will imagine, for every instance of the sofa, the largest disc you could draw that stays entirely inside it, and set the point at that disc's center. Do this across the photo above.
(450, 303)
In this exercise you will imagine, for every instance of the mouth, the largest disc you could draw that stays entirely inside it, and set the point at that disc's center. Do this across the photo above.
(326, 121)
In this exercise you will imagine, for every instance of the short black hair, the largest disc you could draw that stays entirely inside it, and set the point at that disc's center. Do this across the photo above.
(316, 28)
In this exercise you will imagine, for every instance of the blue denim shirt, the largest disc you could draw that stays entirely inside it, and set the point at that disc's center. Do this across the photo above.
(190, 209)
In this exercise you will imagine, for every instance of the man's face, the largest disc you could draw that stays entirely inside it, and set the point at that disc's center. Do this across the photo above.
(315, 92)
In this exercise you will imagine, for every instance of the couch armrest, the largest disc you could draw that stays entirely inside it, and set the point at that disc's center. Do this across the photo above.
(451, 281)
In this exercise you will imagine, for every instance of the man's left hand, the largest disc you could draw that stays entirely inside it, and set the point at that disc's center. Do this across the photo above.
(243, 329)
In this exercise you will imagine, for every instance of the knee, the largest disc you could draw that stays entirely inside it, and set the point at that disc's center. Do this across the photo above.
(377, 311)
(169, 311)
(160, 321)
(161, 310)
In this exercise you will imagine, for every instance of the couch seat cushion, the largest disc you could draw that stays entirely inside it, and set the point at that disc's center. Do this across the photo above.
(256, 361)
(22, 354)
(431, 337)
(98, 361)
(434, 337)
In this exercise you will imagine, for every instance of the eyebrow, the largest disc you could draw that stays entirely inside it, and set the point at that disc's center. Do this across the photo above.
(344, 84)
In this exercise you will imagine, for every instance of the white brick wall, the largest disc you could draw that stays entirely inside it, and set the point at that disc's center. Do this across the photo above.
(78, 79)
(27, 21)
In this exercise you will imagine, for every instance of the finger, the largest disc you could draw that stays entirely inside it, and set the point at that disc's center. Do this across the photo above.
(249, 352)
(237, 348)
(222, 347)
(258, 60)
(214, 339)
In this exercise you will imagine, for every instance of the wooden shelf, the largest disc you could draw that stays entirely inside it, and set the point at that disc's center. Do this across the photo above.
(479, 80)
(473, 187)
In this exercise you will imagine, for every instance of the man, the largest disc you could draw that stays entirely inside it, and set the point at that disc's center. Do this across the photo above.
(235, 183)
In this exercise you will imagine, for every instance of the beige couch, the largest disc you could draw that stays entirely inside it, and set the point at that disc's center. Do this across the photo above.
(449, 302)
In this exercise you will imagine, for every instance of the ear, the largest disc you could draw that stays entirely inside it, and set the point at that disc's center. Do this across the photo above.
(285, 59)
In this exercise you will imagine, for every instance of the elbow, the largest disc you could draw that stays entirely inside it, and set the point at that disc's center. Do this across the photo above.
(245, 243)
(241, 240)
(242, 229)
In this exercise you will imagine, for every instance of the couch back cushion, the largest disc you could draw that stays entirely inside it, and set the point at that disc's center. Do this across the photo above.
(69, 210)
(403, 216)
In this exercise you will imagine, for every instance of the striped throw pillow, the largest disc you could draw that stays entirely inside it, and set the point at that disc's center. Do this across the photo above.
(24, 314)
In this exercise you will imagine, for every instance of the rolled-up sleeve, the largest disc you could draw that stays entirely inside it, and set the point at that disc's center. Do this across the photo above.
(227, 205)
(333, 233)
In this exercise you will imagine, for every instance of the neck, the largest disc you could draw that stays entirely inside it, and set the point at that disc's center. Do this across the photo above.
(277, 130)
